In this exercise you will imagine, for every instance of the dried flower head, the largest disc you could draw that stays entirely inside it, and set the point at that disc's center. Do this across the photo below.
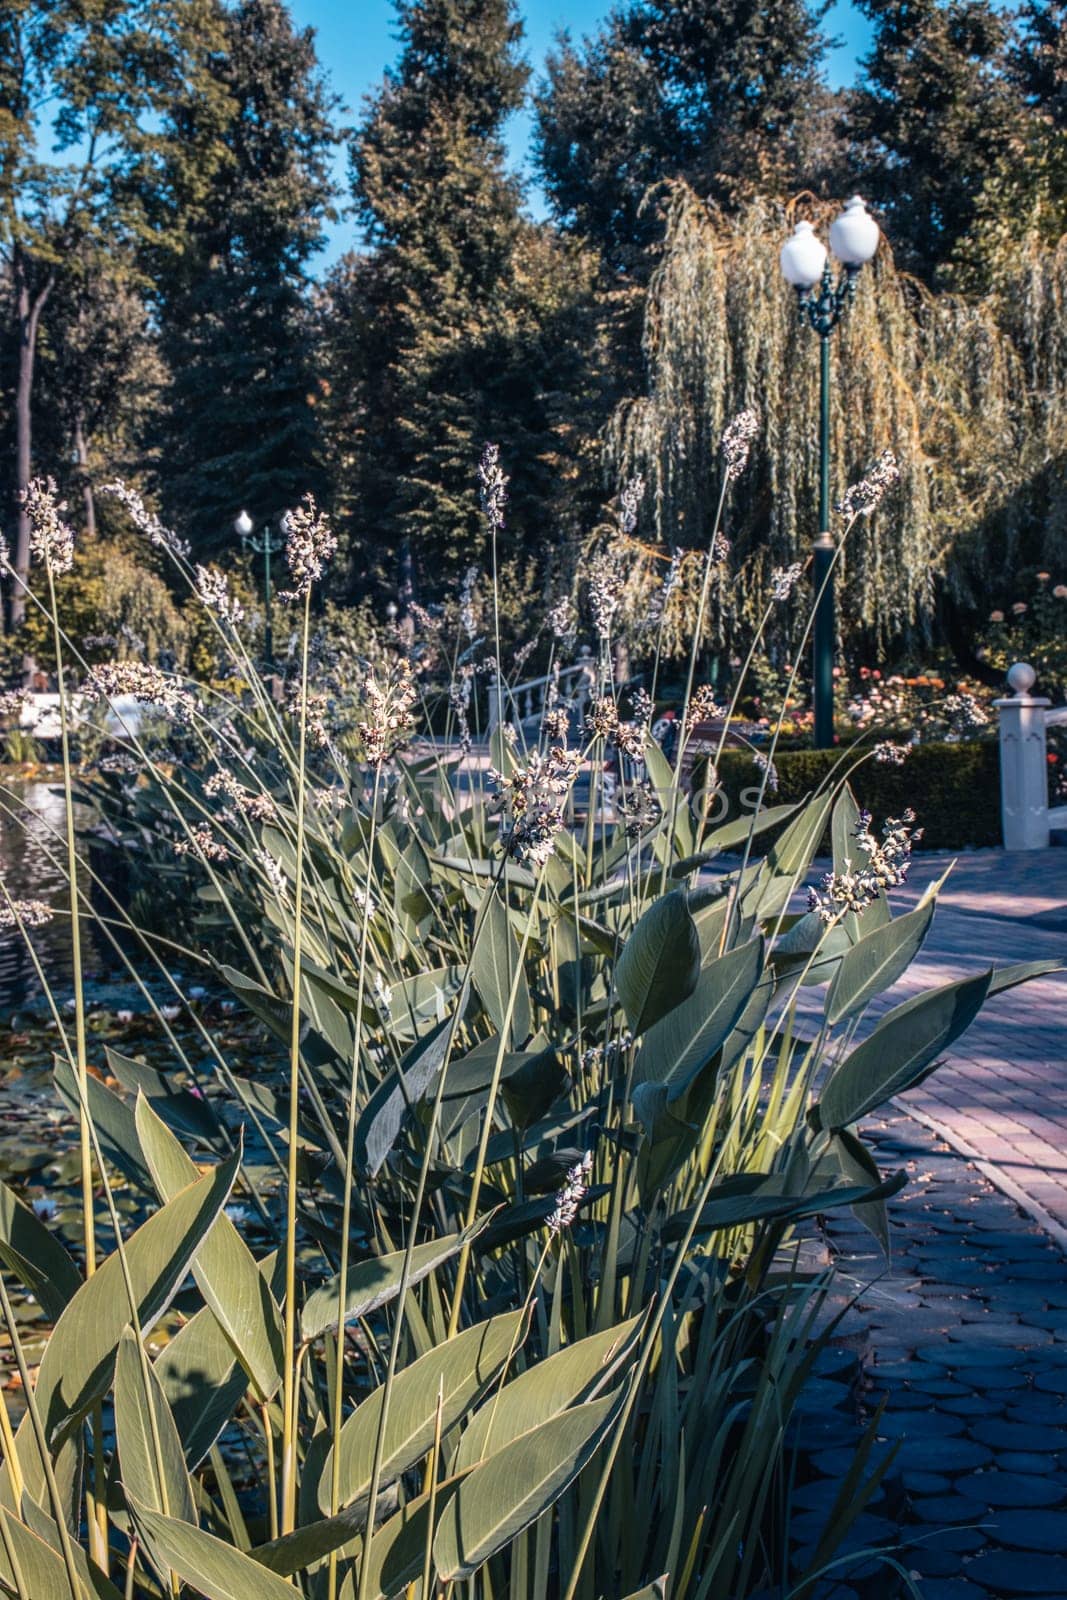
(492, 486)
(51, 539)
(387, 722)
(213, 590)
(145, 521)
(532, 800)
(605, 584)
(736, 442)
(862, 498)
(630, 503)
(149, 685)
(891, 755)
(562, 619)
(640, 810)
(13, 701)
(309, 544)
(784, 580)
(255, 805)
(556, 725)
(28, 913)
(885, 867)
(601, 719)
(201, 842)
(274, 873)
(570, 1196)
(703, 707)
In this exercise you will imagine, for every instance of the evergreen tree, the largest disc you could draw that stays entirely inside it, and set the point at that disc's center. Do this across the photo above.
(230, 259)
(726, 94)
(464, 322)
(933, 115)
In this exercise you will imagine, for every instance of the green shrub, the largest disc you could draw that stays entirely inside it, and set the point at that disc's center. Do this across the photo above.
(954, 789)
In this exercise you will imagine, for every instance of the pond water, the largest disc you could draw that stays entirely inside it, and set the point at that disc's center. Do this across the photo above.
(33, 865)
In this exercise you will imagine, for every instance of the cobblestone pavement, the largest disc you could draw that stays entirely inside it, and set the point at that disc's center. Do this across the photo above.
(1001, 1097)
(964, 1337)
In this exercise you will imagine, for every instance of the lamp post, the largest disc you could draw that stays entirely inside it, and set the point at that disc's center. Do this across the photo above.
(822, 303)
(266, 546)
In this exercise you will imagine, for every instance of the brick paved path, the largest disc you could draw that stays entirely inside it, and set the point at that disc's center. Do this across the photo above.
(1001, 1097)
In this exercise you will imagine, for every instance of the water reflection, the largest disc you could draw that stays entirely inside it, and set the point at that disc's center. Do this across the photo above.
(32, 860)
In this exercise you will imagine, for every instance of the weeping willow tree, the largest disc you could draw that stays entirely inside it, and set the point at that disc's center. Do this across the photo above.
(970, 395)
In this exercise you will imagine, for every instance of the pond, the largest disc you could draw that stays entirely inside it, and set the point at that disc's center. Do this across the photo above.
(33, 866)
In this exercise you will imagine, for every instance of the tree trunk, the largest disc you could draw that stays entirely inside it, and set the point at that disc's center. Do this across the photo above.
(28, 308)
(88, 497)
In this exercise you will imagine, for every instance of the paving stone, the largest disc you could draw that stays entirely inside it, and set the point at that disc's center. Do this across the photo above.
(807, 1528)
(945, 1508)
(1037, 1408)
(971, 1405)
(1001, 1379)
(1004, 1435)
(919, 1425)
(1054, 1382)
(944, 1455)
(934, 1390)
(965, 1541)
(1026, 1461)
(954, 1355)
(1001, 1572)
(1009, 1489)
(836, 1463)
(953, 1589)
(929, 1561)
(1055, 1320)
(1019, 1335)
(1032, 1530)
(926, 1482)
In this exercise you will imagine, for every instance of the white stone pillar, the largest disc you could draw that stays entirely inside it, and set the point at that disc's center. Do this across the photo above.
(1023, 769)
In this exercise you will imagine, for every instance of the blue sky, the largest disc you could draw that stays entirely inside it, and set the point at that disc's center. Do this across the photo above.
(357, 41)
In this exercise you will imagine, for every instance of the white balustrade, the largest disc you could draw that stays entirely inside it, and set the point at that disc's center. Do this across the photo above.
(1023, 764)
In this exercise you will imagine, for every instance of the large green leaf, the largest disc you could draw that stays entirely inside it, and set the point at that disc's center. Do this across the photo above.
(225, 1272)
(791, 854)
(809, 952)
(372, 1284)
(576, 1373)
(214, 1569)
(660, 962)
(35, 1255)
(79, 1358)
(203, 1382)
(163, 1484)
(847, 1160)
(495, 968)
(185, 1112)
(899, 1050)
(515, 1486)
(43, 1569)
(877, 961)
(731, 835)
(458, 1372)
(380, 1120)
(112, 1120)
(1021, 972)
(677, 1047)
(754, 1197)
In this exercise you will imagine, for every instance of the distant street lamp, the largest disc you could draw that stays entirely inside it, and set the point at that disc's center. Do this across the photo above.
(853, 239)
(266, 546)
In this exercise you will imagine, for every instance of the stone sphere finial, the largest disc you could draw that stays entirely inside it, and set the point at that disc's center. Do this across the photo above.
(1021, 677)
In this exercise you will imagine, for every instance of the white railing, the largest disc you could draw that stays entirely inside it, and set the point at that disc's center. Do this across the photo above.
(523, 703)
(1023, 765)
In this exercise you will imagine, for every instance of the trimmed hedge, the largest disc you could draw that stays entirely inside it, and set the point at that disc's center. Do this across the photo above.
(954, 789)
